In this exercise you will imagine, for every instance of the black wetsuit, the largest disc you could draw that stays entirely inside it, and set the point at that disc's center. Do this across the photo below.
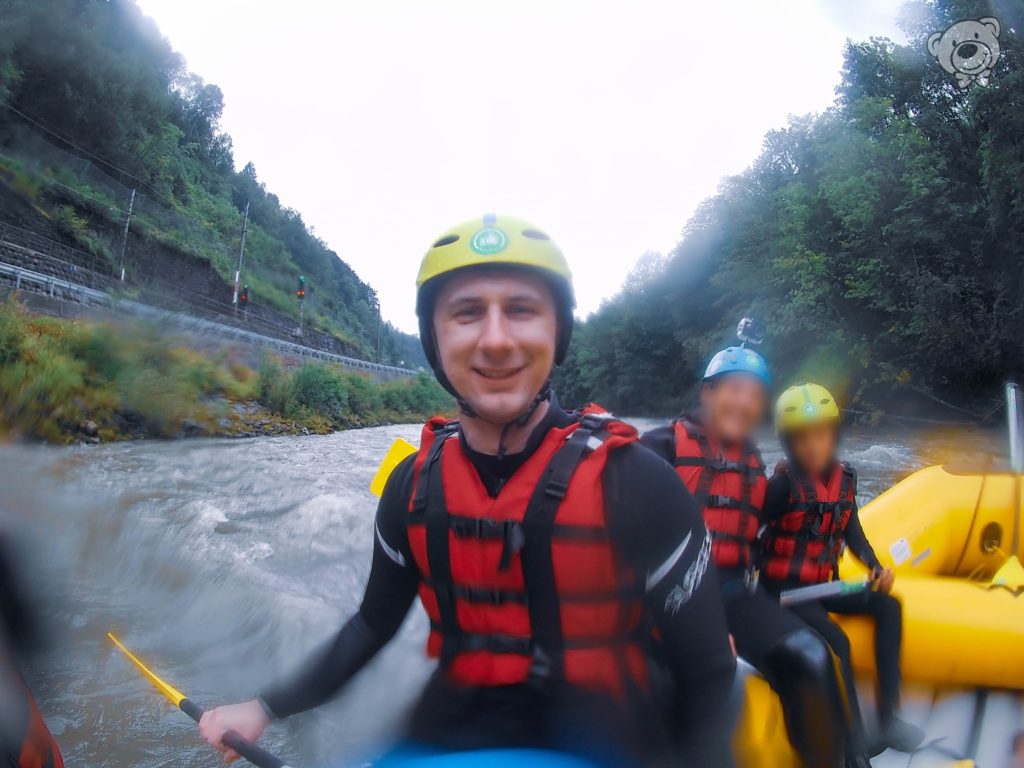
(884, 609)
(649, 515)
(796, 663)
(25, 741)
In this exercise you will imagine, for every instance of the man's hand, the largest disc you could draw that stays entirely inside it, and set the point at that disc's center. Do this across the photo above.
(884, 578)
(247, 719)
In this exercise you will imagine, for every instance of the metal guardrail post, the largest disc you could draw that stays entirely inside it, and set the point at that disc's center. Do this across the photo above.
(1015, 425)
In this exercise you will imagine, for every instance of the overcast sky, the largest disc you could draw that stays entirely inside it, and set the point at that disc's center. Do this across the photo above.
(385, 121)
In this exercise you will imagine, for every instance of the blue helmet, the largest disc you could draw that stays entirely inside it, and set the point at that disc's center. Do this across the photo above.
(738, 360)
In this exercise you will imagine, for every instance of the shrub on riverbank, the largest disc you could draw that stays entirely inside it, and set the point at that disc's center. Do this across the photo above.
(328, 397)
(64, 380)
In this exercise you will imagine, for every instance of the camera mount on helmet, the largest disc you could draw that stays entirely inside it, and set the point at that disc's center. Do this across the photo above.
(750, 332)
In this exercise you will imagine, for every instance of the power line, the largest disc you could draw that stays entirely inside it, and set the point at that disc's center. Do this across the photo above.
(75, 146)
(160, 202)
(156, 197)
(79, 193)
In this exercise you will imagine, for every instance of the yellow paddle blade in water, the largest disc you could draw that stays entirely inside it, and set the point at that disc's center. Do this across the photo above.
(397, 453)
(173, 694)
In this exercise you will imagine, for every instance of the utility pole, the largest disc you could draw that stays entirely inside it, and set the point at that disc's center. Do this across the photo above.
(376, 302)
(124, 237)
(241, 253)
(301, 295)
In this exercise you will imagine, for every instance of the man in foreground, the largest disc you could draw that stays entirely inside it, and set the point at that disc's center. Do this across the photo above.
(542, 543)
(715, 456)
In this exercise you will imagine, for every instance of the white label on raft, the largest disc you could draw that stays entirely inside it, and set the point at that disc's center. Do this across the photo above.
(900, 551)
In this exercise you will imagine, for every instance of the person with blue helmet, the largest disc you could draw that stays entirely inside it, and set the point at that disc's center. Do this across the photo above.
(715, 456)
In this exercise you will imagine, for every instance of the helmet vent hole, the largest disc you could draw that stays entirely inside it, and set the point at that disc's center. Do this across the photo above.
(825, 401)
(446, 240)
(536, 234)
(790, 409)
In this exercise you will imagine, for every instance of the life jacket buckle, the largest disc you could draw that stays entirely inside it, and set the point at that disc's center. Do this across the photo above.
(722, 501)
(556, 489)
(751, 578)
(513, 540)
(595, 421)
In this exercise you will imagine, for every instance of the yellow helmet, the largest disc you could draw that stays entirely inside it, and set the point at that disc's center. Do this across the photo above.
(493, 240)
(804, 405)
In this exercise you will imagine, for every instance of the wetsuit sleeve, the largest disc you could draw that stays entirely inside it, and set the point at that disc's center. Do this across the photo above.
(663, 537)
(776, 498)
(857, 541)
(390, 592)
(17, 620)
(662, 441)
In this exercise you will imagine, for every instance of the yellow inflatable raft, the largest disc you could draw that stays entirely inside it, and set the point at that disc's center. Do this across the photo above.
(954, 540)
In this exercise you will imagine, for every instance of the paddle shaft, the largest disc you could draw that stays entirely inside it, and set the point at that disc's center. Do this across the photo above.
(821, 591)
(254, 753)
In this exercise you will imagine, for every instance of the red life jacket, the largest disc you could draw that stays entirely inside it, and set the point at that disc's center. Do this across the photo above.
(804, 544)
(527, 585)
(729, 488)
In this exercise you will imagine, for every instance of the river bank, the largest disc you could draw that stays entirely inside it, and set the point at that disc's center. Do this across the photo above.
(67, 381)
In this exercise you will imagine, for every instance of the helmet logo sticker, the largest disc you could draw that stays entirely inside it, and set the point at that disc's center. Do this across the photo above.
(809, 409)
(488, 241)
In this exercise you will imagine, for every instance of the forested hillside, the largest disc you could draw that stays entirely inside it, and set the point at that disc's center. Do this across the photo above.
(95, 102)
(882, 242)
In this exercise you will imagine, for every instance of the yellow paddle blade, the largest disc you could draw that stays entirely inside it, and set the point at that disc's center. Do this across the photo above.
(173, 694)
(397, 453)
(1009, 575)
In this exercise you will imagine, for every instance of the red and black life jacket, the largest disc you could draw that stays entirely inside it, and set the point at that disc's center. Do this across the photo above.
(728, 485)
(804, 544)
(526, 585)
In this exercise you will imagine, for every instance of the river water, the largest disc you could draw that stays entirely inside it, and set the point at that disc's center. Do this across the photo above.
(222, 562)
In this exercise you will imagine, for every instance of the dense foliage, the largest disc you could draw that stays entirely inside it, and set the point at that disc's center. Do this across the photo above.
(97, 78)
(882, 242)
(57, 376)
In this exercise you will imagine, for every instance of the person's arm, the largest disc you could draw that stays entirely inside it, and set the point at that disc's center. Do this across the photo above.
(18, 622)
(857, 541)
(390, 591)
(664, 537)
(662, 441)
(776, 498)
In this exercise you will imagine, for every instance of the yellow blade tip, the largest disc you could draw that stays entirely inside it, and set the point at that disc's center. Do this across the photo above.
(171, 693)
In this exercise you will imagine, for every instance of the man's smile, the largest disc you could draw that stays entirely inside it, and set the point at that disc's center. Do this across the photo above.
(499, 374)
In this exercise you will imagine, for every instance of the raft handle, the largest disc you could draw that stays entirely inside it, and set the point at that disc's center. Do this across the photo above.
(991, 538)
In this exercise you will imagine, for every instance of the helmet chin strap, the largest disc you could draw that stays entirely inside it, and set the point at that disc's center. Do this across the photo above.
(519, 422)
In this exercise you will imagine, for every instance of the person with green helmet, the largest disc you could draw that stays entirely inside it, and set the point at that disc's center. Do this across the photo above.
(714, 453)
(543, 544)
(810, 517)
